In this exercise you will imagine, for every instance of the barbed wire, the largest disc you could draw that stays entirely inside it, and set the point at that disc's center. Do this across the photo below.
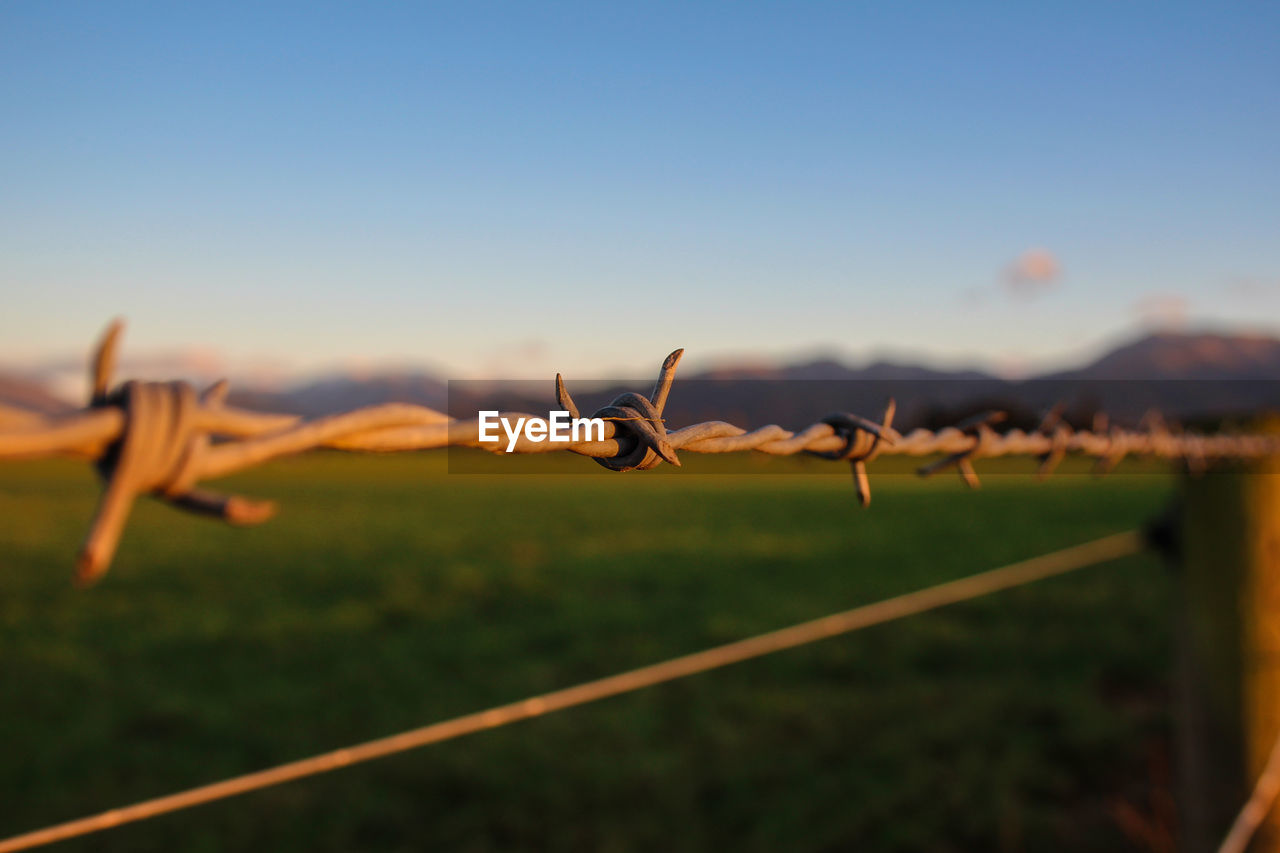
(164, 438)
(1044, 566)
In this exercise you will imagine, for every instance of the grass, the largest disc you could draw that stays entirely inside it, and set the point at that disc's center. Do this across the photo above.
(389, 594)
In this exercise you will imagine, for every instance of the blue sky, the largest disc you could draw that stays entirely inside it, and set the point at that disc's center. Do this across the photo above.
(500, 188)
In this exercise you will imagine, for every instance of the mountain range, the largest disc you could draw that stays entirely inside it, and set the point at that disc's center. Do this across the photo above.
(1184, 374)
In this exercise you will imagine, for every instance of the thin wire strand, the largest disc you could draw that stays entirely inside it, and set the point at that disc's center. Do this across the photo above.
(1257, 808)
(1045, 566)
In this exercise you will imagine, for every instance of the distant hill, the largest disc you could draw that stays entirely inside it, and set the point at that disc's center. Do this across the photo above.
(1190, 377)
(30, 395)
(1184, 375)
(1184, 356)
(830, 369)
(342, 393)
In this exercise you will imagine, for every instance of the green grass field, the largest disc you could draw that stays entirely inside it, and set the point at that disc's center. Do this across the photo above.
(389, 594)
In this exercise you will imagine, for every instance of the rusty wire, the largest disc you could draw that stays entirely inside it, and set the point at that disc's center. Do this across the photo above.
(164, 438)
(985, 583)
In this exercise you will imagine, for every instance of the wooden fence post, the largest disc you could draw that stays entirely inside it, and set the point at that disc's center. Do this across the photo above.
(1229, 639)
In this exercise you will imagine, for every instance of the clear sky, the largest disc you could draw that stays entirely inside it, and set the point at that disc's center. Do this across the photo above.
(497, 188)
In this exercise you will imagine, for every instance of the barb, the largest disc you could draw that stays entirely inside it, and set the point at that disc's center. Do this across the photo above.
(1045, 566)
(165, 439)
(981, 438)
(642, 437)
(862, 443)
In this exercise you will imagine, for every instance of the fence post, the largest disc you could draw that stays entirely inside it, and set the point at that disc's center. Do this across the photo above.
(1229, 646)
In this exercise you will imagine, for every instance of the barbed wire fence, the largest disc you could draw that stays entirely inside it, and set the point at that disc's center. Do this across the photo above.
(165, 438)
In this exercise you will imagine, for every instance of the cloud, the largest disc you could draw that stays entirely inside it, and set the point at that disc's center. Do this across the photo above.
(1034, 271)
(1167, 311)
